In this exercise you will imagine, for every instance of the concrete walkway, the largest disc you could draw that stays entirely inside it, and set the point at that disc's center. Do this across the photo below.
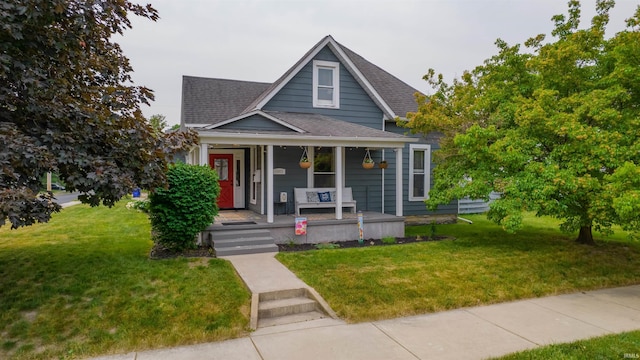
(470, 333)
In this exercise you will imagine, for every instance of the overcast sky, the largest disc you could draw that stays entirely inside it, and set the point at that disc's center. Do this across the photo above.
(258, 40)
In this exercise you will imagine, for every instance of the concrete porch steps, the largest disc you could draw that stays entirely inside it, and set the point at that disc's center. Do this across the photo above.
(287, 307)
(242, 241)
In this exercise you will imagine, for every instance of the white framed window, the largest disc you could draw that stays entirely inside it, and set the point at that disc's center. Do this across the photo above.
(324, 167)
(326, 84)
(419, 171)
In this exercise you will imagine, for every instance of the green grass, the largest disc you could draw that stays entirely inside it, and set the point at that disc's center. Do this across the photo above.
(617, 346)
(483, 265)
(83, 285)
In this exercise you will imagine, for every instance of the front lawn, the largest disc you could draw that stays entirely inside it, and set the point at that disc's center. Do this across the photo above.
(83, 285)
(483, 265)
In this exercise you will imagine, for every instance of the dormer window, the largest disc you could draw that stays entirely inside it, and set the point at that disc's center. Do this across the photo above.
(326, 84)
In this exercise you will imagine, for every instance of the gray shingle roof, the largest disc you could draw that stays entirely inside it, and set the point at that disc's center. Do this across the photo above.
(320, 125)
(397, 94)
(208, 101)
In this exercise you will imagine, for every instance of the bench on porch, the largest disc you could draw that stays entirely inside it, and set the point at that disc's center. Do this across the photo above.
(311, 198)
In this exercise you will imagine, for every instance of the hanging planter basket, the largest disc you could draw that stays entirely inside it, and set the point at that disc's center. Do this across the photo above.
(383, 164)
(304, 159)
(367, 162)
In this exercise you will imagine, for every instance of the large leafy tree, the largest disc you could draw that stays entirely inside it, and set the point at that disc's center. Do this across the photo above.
(67, 105)
(554, 129)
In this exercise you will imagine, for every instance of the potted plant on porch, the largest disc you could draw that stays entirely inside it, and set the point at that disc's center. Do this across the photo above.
(305, 163)
(304, 160)
(367, 162)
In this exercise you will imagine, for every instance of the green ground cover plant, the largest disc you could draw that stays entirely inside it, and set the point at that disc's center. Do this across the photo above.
(479, 264)
(83, 285)
(617, 346)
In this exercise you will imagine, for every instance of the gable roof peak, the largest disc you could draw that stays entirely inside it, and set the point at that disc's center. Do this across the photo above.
(392, 95)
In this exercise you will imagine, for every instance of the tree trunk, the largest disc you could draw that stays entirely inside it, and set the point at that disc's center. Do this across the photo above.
(585, 236)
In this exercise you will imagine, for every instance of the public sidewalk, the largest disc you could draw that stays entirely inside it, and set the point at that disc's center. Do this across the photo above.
(469, 333)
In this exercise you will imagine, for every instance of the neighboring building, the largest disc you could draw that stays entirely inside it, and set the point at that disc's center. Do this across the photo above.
(333, 106)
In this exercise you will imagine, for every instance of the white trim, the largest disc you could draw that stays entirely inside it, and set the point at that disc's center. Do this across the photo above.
(195, 126)
(311, 153)
(344, 172)
(338, 180)
(231, 138)
(257, 112)
(269, 171)
(294, 72)
(263, 176)
(204, 153)
(399, 191)
(426, 148)
(253, 187)
(361, 77)
(346, 61)
(335, 68)
(313, 172)
(382, 175)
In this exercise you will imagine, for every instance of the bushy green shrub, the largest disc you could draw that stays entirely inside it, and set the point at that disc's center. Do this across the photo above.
(388, 240)
(189, 204)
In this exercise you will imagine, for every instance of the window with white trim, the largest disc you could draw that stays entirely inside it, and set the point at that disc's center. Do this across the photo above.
(419, 171)
(326, 84)
(324, 167)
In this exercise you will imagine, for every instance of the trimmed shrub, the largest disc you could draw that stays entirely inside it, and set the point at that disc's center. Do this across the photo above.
(189, 204)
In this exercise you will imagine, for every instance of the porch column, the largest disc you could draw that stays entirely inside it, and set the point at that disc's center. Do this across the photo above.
(204, 154)
(339, 183)
(269, 170)
(399, 182)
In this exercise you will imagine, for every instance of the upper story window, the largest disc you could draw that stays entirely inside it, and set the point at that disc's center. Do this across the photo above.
(419, 171)
(326, 84)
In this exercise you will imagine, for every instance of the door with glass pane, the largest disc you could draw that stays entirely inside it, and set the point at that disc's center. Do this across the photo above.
(223, 165)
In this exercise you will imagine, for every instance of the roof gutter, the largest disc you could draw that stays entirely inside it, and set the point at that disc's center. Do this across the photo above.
(241, 138)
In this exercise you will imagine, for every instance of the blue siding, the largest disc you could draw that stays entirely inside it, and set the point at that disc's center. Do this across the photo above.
(356, 107)
(355, 104)
(411, 207)
(255, 122)
(366, 184)
(287, 158)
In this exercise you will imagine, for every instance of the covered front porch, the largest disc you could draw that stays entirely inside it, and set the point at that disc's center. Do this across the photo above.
(257, 157)
(320, 227)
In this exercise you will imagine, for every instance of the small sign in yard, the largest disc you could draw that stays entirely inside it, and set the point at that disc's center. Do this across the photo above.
(301, 226)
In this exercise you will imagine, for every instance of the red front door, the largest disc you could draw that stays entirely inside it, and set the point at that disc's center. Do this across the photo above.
(223, 164)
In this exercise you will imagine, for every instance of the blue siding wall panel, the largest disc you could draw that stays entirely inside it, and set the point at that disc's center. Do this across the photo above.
(255, 122)
(357, 107)
(287, 158)
(366, 184)
(355, 104)
(412, 207)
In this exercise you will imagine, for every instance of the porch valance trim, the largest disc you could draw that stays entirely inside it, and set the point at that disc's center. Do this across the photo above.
(225, 138)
